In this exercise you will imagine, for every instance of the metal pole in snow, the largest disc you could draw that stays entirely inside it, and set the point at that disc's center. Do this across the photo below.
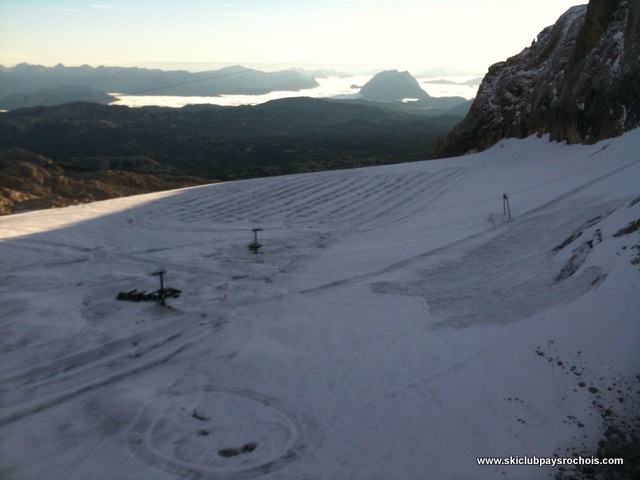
(505, 205)
(160, 273)
(256, 245)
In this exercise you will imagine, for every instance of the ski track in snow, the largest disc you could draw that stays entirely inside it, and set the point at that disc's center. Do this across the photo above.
(358, 329)
(69, 376)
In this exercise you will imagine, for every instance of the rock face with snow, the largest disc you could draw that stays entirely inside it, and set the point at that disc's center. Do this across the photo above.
(579, 81)
(393, 86)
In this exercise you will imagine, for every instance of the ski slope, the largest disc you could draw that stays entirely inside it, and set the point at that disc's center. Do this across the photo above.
(394, 325)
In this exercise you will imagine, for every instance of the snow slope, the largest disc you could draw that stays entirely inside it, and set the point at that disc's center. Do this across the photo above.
(395, 324)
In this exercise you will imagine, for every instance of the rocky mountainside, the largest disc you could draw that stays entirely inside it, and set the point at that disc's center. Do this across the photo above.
(579, 81)
(29, 181)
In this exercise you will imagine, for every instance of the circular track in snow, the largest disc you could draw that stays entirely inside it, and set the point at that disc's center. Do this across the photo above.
(215, 432)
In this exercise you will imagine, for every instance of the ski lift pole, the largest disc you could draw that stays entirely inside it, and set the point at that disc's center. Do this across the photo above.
(255, 245)
(505, 205)
(160, 272)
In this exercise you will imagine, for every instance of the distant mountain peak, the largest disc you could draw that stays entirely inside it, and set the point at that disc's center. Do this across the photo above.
(393, 86)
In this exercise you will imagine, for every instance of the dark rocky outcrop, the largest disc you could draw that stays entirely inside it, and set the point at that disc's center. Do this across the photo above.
(29, 181)
(392, 86)
(579, 82)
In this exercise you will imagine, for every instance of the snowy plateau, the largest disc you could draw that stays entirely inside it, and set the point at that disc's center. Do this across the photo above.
(395, 324)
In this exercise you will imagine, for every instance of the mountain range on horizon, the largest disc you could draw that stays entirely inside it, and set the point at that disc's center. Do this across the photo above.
(27, 79)
(25, 85)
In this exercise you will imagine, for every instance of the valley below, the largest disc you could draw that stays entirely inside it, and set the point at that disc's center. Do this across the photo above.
(84, 143)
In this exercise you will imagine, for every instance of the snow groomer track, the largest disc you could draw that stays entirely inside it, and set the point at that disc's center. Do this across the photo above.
(340, 200)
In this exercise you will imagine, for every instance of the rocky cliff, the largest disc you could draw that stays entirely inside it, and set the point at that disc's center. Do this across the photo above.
(579, 81)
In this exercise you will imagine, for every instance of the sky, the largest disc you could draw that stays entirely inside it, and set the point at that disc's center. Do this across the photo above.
(456, 36)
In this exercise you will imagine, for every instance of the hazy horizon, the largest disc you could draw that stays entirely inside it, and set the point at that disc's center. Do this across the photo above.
(351, 70)
(454, 37)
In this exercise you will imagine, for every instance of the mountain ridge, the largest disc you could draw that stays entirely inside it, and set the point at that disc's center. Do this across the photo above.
(55, 96)
(25, 79)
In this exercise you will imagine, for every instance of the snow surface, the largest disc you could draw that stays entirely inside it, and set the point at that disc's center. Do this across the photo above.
(395, 324)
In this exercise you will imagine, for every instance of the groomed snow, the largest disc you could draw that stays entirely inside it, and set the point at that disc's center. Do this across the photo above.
(394, 325)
